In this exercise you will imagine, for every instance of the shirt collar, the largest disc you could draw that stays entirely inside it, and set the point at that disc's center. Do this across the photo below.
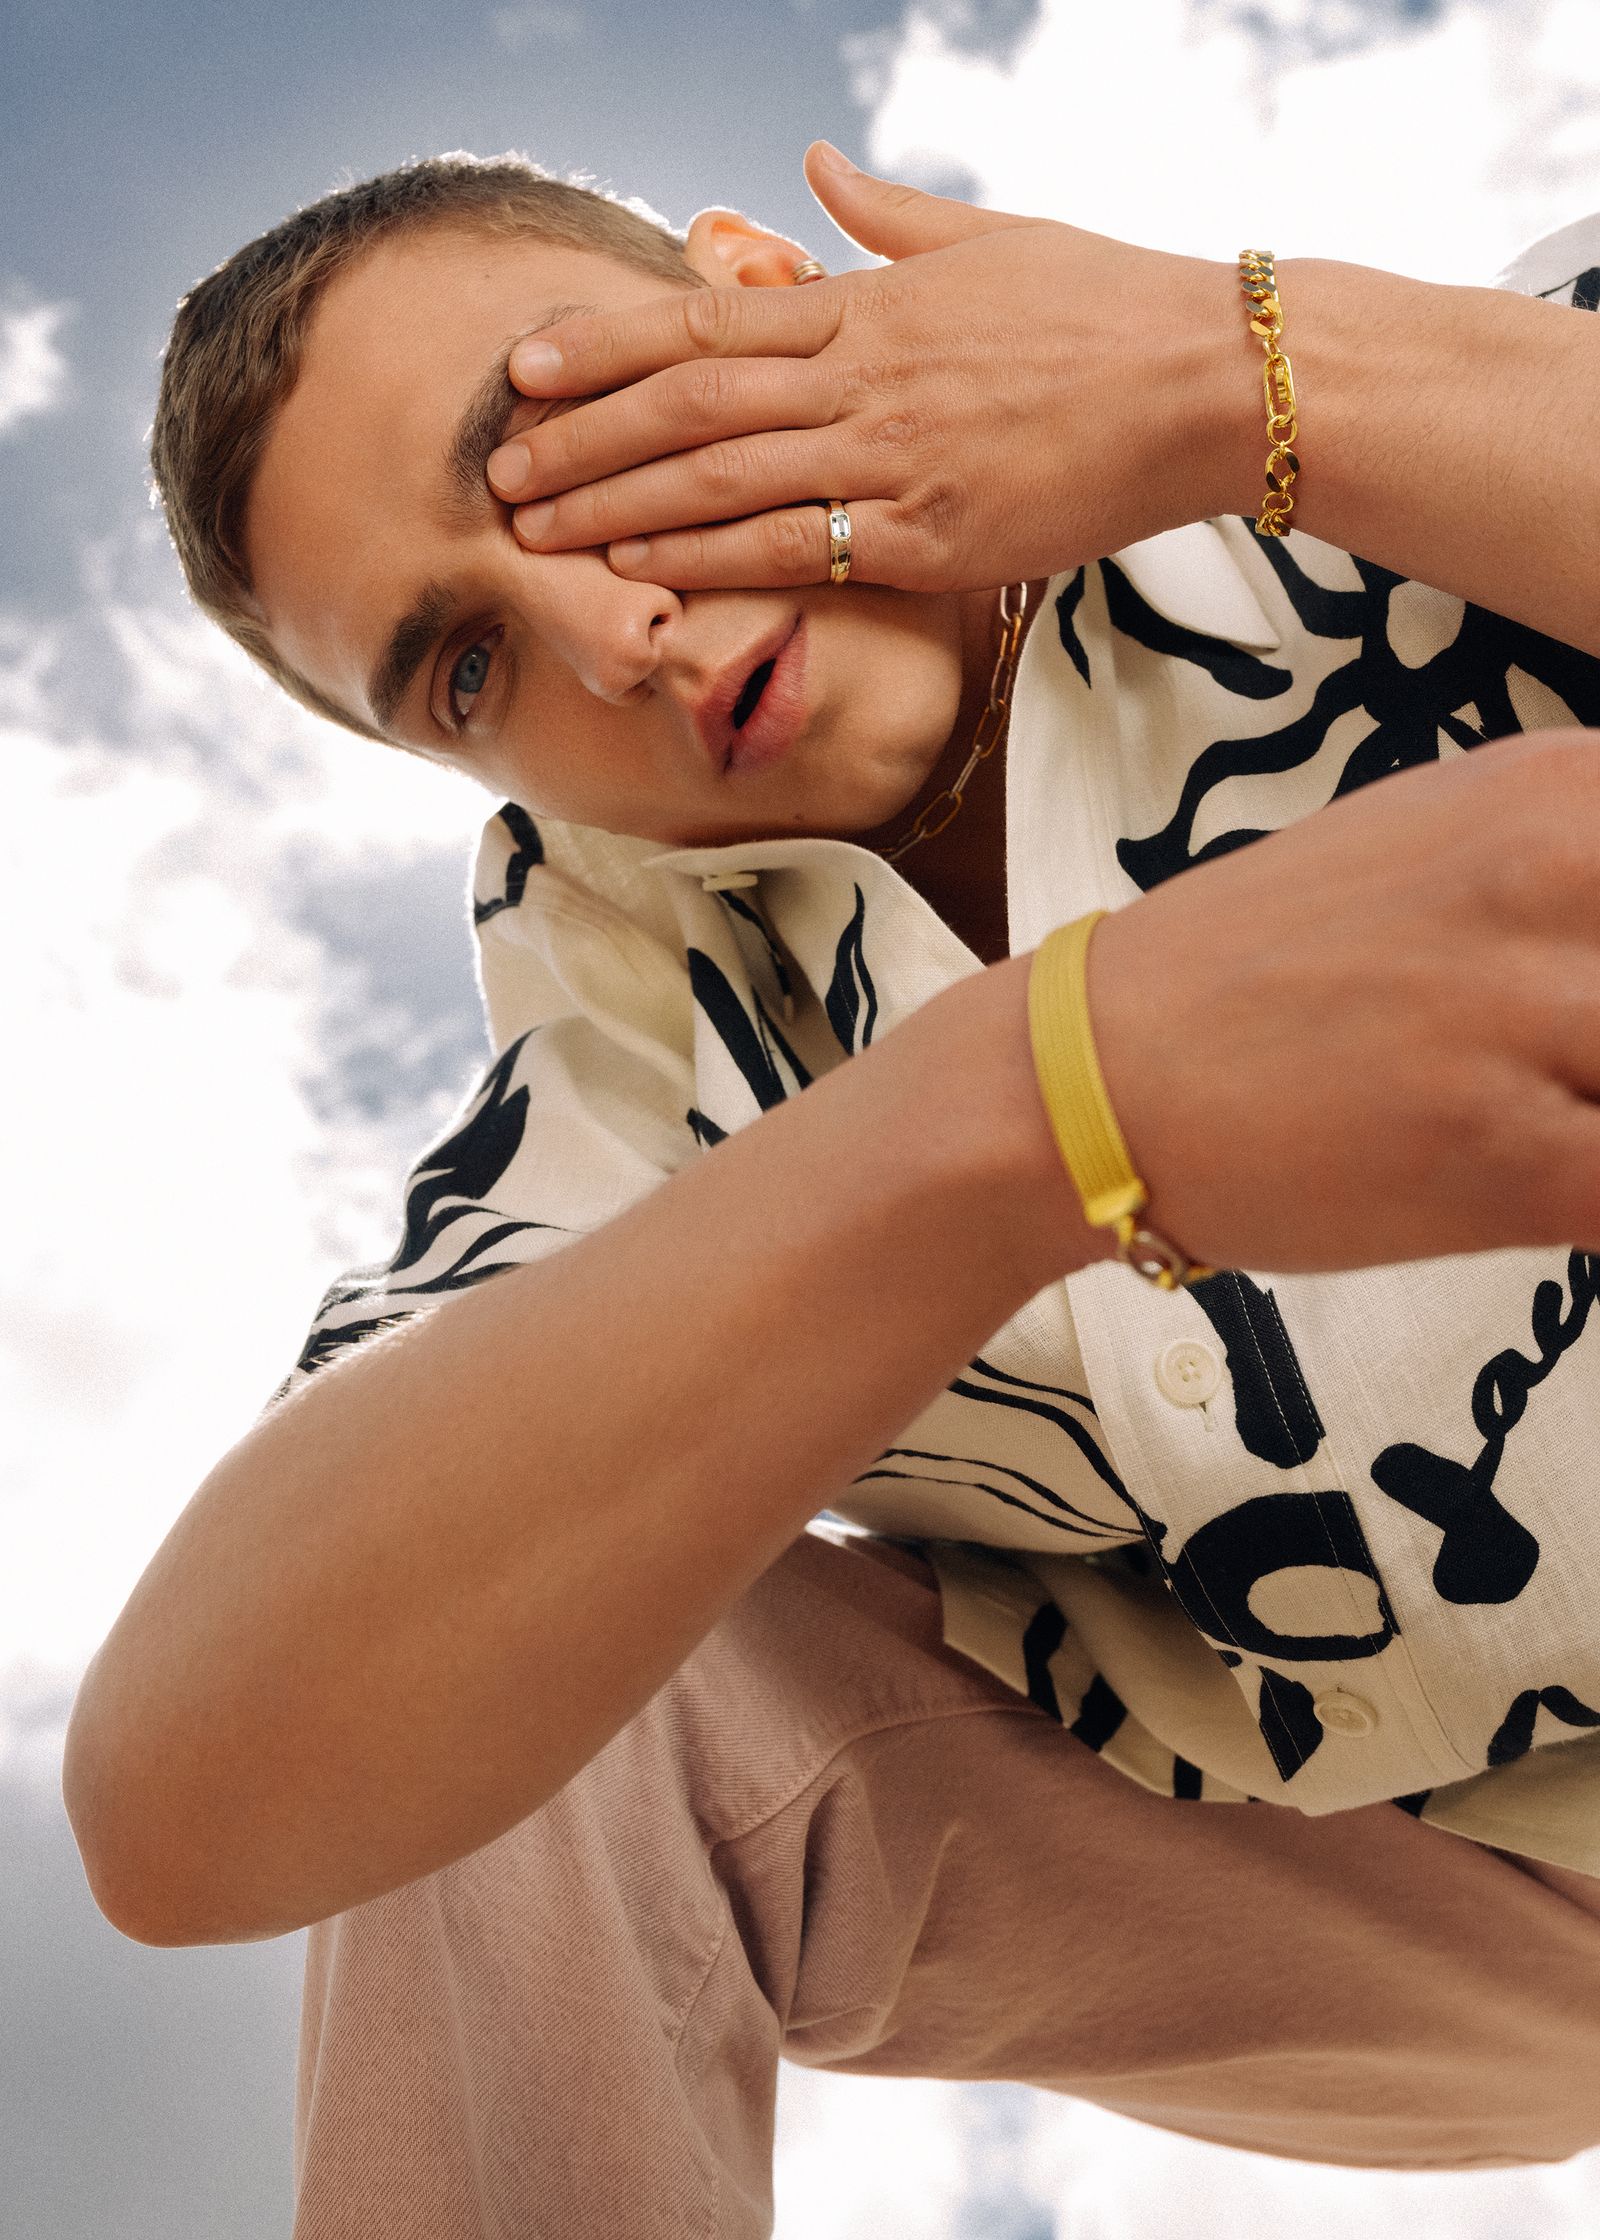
(1189, 576)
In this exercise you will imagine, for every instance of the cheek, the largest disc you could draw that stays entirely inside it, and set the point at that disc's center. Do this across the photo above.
(902, 657)
(907, 703)
(579, 761)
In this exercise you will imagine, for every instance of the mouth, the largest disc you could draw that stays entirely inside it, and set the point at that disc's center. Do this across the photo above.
(745, 706)
(756, 707)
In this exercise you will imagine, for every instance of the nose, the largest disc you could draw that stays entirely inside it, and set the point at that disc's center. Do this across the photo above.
(610, 632)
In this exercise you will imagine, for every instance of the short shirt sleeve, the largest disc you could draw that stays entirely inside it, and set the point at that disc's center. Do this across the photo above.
(581, 1111)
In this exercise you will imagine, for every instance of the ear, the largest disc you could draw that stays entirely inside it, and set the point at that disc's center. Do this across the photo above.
(731, 251)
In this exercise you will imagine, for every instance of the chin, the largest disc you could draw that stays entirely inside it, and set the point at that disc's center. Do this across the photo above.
(878, 811)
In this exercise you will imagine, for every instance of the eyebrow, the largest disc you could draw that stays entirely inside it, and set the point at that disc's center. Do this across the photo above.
(479, 432)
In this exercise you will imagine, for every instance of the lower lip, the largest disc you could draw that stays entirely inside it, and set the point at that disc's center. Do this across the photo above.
(780, 713)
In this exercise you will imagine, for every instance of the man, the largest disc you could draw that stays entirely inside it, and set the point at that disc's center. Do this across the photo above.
(497, 1576)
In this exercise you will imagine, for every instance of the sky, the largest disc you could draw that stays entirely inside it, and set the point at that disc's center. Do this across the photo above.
(238, 994)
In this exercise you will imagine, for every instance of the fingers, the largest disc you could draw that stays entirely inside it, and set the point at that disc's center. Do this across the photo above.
(676, 410)
(604, 350)
(889, 219)
(772, 550)
(720, 482)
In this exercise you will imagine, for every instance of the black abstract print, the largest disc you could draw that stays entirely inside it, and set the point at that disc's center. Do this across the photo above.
(1460, 692)
(453, 1237)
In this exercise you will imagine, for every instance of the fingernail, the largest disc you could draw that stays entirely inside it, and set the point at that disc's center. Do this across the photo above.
(835, 158)
(628, 552)
(535, 361)
(508, 468)
(533, 521)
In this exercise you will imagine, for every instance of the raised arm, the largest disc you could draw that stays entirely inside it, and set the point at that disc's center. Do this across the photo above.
(1451, 434)
(1010, 397)
(424, 1589)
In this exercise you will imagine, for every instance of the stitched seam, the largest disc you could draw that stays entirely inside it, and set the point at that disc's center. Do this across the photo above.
(714, 2196)
(1272, 1389)
(1302, 1471)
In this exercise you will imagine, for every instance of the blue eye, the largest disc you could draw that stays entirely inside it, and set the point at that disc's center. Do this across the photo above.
(468, 678)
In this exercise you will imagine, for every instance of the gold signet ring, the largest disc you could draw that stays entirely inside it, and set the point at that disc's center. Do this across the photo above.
(808, 269)
(838, 541)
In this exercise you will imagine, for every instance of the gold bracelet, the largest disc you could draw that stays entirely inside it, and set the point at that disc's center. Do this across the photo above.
(1081, 1118)
(1260, 285)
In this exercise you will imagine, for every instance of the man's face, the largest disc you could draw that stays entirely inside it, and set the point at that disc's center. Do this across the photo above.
(390, 578)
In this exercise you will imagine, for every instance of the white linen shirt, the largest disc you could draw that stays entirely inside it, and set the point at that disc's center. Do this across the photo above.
(1319, 1540)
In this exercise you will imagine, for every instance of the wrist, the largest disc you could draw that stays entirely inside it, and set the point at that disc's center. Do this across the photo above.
(1001, 1114)
(1217, 463)
(1362, 342)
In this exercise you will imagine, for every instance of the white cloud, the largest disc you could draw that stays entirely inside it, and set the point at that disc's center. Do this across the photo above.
(845, 2146)
(1119, 2179)
(183, 1172)
(1437, 147)
(857, 2156)
(33, 368)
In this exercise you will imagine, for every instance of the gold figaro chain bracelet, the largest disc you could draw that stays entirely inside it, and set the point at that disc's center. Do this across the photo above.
(1260, 285)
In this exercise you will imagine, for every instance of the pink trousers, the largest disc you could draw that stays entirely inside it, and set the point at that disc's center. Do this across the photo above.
(832, 1839)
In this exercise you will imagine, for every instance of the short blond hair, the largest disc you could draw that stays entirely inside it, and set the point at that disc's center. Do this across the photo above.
(235, 349)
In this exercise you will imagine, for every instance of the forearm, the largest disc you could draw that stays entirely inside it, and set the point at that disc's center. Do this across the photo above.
(1449, 433)
(419, 1595)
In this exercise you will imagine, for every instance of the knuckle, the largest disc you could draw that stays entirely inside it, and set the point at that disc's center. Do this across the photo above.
(1513, 882)
(720, 471)
(1539, 862)
(931, 510)
(708, 317)
(858, 388)
(1524, 836)
(707, 393)
(896, 433)
(928, 520)
(1475, 1138)
(719, 387)
(791, 541)
(903, 559)
(688, 555)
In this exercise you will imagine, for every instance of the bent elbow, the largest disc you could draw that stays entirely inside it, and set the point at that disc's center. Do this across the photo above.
(153, 1887)
(87, 1793)
(113, 1839)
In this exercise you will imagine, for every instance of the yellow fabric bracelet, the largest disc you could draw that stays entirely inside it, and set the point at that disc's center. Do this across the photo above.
(1081, 1118)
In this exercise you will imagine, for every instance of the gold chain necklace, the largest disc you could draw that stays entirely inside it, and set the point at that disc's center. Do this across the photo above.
(1013, 610)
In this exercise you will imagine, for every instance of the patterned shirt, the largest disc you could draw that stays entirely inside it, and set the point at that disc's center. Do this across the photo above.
(1318, 1540)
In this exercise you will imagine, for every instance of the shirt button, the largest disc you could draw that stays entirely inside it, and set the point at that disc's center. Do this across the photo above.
(1188, 1373)
(1345, 1714)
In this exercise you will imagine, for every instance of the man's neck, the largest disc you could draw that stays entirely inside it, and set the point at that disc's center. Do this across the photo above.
(961, 871)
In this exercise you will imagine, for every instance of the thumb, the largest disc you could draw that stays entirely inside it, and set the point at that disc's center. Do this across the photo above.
(888, 219)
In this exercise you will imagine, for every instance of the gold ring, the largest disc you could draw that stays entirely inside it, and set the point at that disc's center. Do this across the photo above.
(808, 269)
(838, 541)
